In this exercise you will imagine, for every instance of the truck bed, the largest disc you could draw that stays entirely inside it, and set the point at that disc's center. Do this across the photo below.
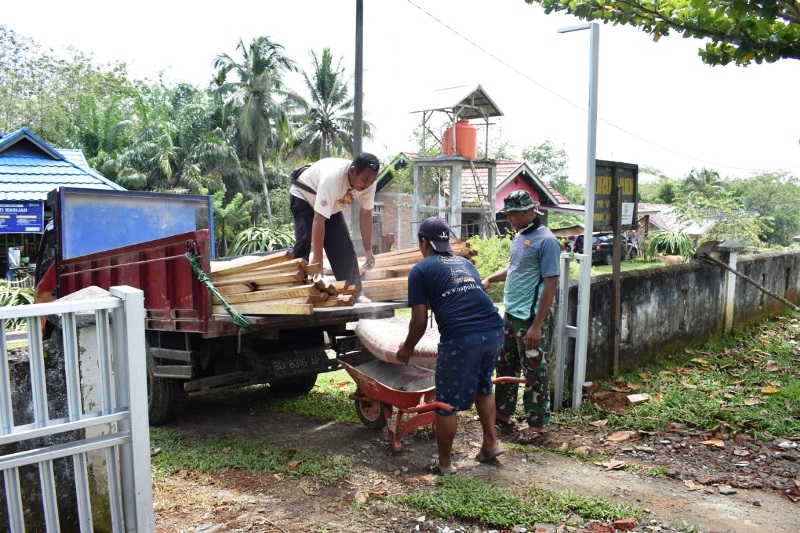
(323, 316)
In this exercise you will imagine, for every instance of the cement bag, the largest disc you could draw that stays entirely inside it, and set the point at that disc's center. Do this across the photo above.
(383, 339)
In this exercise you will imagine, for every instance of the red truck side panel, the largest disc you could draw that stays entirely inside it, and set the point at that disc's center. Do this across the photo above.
(174, 298)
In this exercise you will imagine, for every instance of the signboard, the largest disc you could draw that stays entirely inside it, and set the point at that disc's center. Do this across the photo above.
(611, 175)
(21, 217)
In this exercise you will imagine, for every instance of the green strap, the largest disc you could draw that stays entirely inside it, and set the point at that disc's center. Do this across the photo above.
(238, 319)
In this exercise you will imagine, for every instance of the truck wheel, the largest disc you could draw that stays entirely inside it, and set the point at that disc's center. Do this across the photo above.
(294, 385)
(164, 399)
(371, 413)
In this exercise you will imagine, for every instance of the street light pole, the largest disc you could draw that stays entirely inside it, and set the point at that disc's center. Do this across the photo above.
(585, 280)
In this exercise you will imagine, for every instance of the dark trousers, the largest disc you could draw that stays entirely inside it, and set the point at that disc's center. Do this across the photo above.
(338, 245)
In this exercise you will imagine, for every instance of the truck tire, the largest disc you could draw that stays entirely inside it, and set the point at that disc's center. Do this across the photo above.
(294, 385)
(370, 412)
(164, 399)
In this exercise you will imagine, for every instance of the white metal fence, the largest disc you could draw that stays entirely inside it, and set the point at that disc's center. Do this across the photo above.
(119, 423)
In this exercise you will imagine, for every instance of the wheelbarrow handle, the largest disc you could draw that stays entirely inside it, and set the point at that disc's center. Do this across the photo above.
(424, 408)
(507, 379)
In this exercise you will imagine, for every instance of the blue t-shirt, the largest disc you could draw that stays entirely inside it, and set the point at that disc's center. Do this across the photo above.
(534, 255)
(451, 287)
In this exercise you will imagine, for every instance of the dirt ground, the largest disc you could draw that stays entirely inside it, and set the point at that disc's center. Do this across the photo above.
(725, 485)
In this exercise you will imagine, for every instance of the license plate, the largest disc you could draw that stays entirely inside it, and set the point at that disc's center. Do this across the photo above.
(297, 365)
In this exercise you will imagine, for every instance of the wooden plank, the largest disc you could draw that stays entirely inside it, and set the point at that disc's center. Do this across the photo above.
(293, 265)
(271, 286)
(239, 288)
(270, 279)
(277, 307)
(307, 291)
(246, 262)
(346, 300)
(244, 277)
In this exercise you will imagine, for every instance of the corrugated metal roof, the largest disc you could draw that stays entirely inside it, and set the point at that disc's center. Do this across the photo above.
(467, 101)
(30, 168)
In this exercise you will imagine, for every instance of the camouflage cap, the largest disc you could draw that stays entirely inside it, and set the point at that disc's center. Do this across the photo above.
(520, 201)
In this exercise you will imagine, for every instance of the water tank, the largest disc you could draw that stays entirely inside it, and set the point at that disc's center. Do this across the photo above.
(466, 140)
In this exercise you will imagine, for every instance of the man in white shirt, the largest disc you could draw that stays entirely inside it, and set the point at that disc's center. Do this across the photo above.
(318, 195)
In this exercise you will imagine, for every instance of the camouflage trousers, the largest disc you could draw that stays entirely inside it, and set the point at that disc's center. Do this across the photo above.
(513, 361)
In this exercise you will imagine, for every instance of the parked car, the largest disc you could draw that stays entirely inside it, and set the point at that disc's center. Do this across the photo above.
(603, 247)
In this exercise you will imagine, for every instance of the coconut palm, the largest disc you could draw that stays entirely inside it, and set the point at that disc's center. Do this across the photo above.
(706, 182)
(325, 125)
(256, 99)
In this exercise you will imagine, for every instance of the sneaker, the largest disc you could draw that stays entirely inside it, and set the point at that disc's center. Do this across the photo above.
(363, 299)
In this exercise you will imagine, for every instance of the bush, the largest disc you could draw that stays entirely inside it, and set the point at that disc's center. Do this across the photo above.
(494, 253)
(14, 296)
(258, 239)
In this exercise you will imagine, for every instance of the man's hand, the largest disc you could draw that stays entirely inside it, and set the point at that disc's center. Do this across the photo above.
(485, 283)
(533, 336)
(404, 353)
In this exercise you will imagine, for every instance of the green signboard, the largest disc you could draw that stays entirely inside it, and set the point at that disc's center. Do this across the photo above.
(611, 176)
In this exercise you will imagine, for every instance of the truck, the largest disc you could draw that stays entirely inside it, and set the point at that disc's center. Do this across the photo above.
(106, 238)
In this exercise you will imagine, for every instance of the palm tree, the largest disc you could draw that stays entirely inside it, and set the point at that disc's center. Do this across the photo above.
(325, 126)
(705, 182)
(256, 99)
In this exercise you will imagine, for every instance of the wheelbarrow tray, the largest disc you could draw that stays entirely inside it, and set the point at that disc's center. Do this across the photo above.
(400, 386)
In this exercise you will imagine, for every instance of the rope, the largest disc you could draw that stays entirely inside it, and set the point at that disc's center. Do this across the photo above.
(238, 319)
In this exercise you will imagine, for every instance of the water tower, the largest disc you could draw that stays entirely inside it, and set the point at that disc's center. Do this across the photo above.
(465, 108)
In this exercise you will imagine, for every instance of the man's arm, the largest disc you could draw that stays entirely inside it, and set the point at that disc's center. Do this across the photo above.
(317, 238)
(416, 328)
(500, 275)
(534, 334)
(365, 223)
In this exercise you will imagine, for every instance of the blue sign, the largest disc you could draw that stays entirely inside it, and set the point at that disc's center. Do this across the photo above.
(21, 217)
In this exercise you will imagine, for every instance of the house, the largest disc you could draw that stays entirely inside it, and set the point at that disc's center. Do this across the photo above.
(29, 169)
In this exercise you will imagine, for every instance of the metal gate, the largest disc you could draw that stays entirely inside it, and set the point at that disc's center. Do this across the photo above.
(119, 422)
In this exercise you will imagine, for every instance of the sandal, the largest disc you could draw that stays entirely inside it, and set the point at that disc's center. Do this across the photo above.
(434, 468)
(530, 436)
(504, 426)
(489, 456)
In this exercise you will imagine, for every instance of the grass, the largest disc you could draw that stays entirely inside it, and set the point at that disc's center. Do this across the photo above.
(177, 452)
(502, 508)
(748, 381)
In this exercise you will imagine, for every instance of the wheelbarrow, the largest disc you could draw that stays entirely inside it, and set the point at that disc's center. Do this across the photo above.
(398, 397)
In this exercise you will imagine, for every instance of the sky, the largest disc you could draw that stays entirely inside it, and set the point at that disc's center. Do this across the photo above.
(658, 105)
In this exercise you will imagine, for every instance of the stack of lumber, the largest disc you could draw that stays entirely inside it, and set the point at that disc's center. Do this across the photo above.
(275, 284)
(388, 279)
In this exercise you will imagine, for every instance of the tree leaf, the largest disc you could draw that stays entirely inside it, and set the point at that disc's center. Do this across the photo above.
(769, 390)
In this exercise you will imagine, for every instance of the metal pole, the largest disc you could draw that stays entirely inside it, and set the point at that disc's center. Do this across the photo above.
(358, 97)
(585, 279)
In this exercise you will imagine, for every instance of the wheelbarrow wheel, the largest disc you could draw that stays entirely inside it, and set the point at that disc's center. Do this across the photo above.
(371, 413)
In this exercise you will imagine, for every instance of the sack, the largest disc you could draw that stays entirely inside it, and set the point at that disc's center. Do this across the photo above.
(382, 339)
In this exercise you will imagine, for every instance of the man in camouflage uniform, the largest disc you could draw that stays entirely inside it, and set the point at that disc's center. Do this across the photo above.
(531, 282)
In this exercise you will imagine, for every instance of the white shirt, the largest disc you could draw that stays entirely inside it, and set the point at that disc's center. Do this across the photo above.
(329, 178)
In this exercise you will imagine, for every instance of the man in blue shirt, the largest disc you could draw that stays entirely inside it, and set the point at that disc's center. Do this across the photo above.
(471, 332)
(531, 282)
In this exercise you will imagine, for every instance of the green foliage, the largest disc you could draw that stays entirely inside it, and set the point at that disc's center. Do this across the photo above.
(670, 243)
(774, 195)
(260, 239)
(725, 218)
(494, 253)
(230, 219)
(704, 182)
(740, 32)
(179, 452)
(743, 382)
(552, 165)
(457, 496)
(14, 296)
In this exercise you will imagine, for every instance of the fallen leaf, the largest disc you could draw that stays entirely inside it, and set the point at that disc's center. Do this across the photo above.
(343, 384)
(772, 368)
(769, 390)
(700, 361)
(599, 423)
(614, 465)
(265, 452)
(646, 376)
(633, 386)
(292, 465)
(227, 449)
(564, 446)
(752, 400)
(657, 397)
(619, 436)
(155, 451)
(582, 449)
(718, 443)
(687, 384)
(619, 389)
(691, 485)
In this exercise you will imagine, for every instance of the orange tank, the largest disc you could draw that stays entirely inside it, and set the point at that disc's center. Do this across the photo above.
(466, 140)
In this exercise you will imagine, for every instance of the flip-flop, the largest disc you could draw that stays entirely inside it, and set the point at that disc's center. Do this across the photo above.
(530, 436)
(434, 468)
(504, 426)
(489, 456)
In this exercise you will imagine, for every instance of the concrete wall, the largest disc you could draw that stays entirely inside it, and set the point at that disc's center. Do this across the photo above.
(665, 309)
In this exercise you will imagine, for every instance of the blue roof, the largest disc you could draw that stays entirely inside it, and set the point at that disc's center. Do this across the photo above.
(30, 168)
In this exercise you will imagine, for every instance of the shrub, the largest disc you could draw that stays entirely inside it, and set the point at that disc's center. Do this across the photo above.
(259, 239)
(14, 296)
(494, 253)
